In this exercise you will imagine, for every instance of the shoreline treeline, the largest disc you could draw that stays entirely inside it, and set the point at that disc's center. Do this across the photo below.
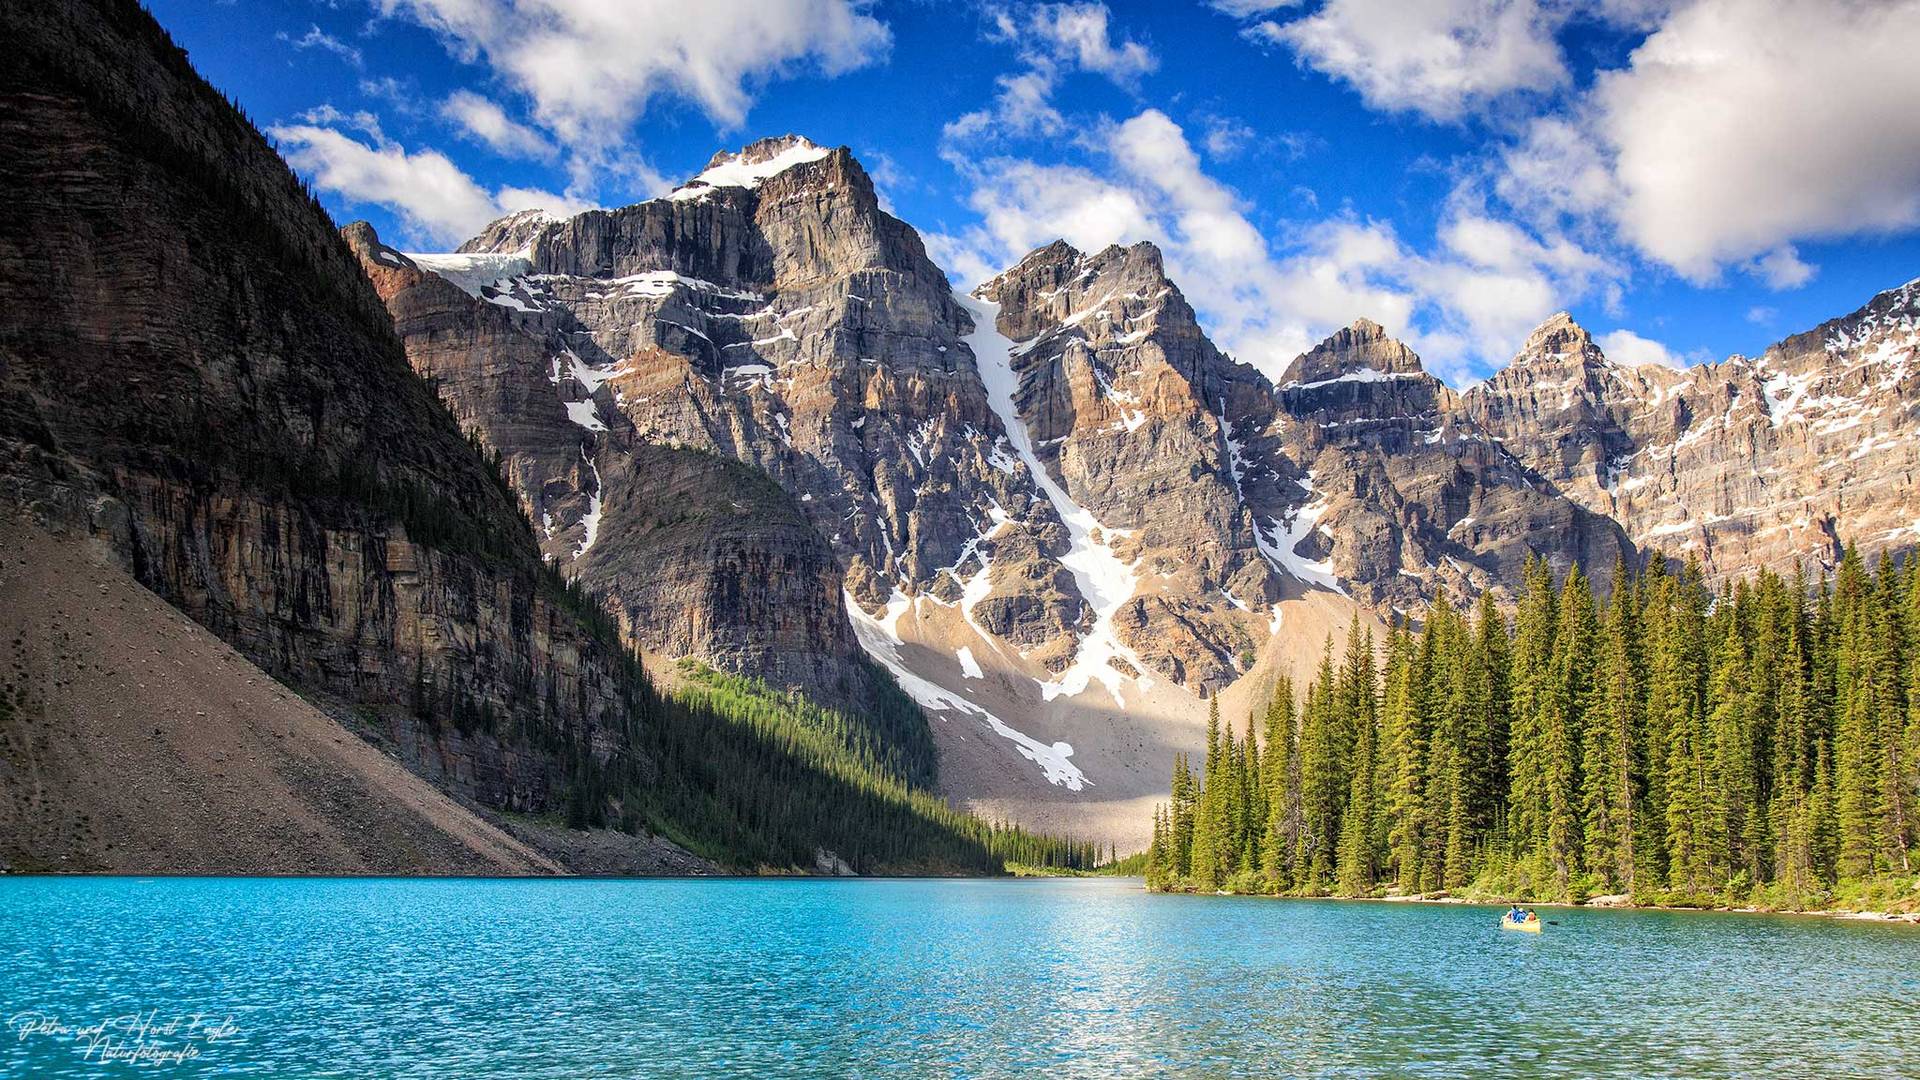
(1760, 746)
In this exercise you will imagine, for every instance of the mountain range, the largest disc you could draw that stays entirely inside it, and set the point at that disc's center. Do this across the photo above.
(1050, 507)
(492, 512)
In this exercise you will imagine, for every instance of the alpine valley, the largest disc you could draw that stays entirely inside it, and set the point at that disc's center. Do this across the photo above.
(550, 540)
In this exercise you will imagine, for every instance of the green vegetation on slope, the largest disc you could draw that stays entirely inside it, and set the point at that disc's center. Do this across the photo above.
(1758, 747)
(749, 776)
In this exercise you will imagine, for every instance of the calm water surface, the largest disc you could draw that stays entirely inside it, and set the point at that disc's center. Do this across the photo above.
(582, 978)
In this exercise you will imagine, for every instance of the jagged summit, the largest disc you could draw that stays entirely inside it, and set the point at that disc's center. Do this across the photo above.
(764, 150)
(1142, 257)
(1558, 339)
(1354, 351)
(509, 233)
(752, 165)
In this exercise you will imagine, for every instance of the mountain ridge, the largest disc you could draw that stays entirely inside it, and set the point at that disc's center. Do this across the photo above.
(1214, 496)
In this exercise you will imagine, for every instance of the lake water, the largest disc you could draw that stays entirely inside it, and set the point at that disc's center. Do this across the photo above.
(581, 978)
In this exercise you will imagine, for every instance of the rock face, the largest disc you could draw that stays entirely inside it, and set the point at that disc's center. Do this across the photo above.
(1770, 462)
(1413, 497)
(195, 375)
(1130, 410)
(698, 555)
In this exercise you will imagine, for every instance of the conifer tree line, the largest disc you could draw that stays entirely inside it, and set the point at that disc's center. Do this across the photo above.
(1758, 745)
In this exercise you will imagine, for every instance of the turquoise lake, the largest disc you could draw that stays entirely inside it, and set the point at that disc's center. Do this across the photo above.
(698, 978)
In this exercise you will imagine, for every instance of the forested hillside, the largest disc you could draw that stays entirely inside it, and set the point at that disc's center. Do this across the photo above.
(1760, 745)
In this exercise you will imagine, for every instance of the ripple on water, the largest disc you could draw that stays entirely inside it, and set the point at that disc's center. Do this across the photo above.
(568, 978)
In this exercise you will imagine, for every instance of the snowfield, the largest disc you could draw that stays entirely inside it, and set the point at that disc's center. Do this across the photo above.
(1102, 578)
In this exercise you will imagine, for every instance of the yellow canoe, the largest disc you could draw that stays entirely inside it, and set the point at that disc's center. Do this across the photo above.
(1533, 927)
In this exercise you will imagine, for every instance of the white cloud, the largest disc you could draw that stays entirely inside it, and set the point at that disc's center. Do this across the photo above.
(592, 68)
(1439, 58)
(1242, 9)
(316, 38)
(1226, 137)
(482, 119)
(1078, 34)
(1627, 347)
(1762, 315)
(1053, 40)
(1554, 170)
(1782, 269)
(436, 201)
(1742, 125)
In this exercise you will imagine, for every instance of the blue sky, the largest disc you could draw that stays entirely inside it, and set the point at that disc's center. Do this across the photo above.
(1690, 179)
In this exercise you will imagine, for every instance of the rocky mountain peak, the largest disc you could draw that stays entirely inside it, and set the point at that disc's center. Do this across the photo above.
(754, 164)
(1558, 340)
(510, 233)
(764, 150)
(1352, 351)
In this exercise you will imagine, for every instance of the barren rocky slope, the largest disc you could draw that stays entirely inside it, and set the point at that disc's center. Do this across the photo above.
(197, 376)
(1776, 461)
(134, 741)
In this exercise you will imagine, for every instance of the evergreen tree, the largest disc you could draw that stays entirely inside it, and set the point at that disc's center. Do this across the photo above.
(1322, 777)
(1671, 744)
(1527, 750)
(1611, 779)
(1280, 850)
(1403, 760)
(1211, 838)
(1571, 693)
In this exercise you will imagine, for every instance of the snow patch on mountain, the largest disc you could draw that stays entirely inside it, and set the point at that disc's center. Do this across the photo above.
(739, 173)
(881, 640)
(1104, 580)
(476, 271)
(1279, 540)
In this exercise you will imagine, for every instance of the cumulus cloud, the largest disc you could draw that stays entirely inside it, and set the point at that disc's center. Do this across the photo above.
(1078, 34)
(1741, 124)
(436, 201)
(484, 120)
(1466, 304)
(590, 69)
(1782, 269)
(1053, 40)
(1439, 58)
(1627, 347)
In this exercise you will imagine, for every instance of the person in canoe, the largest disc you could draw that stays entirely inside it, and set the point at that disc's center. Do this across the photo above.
(1518, 918)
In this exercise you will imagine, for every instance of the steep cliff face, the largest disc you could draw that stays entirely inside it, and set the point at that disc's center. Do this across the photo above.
(698, 555)
(1134, 414)
(1748, 463)
(1411, 496)
(195, 374)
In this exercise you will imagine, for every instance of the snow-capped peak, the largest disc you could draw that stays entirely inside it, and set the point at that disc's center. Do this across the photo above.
(751, 166)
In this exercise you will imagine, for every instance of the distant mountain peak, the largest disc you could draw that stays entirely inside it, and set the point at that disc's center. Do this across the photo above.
(752, 165)
(1363, 347)
(510, 233)
(764, 150)
(1557, 340)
